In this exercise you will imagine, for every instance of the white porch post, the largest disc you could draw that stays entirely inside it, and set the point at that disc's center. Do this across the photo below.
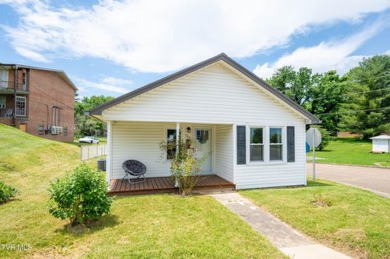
(177, 136)
(109, 153)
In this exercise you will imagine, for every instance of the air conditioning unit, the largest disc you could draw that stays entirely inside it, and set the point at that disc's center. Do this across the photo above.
(55, 130)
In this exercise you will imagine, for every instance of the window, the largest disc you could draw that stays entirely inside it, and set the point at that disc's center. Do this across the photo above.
(20, 106)
(256, 144)
(56, 116)
(3, 78)
(171, 143)
(275, 144)
(24, 80)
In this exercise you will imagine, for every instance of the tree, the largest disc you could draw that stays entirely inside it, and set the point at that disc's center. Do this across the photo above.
(327, 98)
(320, 94)
(86, 125)
(297, 85)
(367, 109)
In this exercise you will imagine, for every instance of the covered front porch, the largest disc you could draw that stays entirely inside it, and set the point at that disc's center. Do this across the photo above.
(167, 185)
(141, 141)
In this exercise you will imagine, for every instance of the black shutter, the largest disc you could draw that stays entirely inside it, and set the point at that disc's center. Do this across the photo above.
(241, 145)
(290, 144)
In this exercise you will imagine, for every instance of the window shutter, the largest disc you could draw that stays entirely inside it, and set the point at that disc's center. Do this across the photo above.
(290, 144)
(241, 145)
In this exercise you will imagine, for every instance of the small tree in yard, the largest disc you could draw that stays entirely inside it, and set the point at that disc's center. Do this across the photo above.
(185, 167)
(80, 196)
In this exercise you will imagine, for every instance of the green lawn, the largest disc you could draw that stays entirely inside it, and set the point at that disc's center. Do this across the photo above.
(352, 151)
(357, 222)
(162, 226)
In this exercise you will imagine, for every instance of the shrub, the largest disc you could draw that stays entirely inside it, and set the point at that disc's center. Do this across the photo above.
(80, 196)
(185, 167)
(6, 192)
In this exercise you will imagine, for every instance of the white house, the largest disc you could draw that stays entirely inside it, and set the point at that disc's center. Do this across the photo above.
(255, 135)
(381, 144)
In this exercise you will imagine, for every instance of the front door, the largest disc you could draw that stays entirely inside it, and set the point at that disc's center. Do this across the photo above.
(202, 145)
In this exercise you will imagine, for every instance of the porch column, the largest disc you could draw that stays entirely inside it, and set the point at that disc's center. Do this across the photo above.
(177, 136)
(109, 153)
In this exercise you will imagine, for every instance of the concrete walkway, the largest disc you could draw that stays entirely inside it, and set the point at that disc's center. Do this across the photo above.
(374, 179)
(285, 238)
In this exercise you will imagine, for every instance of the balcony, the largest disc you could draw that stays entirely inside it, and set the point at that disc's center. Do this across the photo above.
(9, 112)
(7, 87)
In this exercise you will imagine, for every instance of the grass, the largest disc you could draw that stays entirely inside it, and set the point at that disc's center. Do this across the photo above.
(142, 226)
(352, 151)
(354, 221)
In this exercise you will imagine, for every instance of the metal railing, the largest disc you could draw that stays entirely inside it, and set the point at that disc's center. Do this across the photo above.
(11, 85)
(88, 152)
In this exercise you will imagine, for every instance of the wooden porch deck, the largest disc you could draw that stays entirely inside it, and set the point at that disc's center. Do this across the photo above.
(166, 185)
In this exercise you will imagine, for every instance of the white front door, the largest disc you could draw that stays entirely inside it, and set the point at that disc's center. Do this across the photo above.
(202, 145)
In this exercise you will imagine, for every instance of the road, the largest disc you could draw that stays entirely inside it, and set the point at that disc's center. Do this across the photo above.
(371, 178)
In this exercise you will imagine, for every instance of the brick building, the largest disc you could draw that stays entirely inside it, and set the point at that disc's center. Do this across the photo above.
(38, 101)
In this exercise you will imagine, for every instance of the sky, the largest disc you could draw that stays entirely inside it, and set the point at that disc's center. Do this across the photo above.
(113, 47)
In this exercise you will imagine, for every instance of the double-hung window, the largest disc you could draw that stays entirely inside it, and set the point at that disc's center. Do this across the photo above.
(20, 106)
(275, 144)
(256, 144)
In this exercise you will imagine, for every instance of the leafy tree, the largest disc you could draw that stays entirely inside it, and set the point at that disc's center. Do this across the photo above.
(298, 85)
(327, 98)
(80, 196)
(367, 109)
(86, 125)
(320, 94)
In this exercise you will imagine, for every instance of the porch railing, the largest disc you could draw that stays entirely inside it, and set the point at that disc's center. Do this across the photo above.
(9, 112)
(6, 113)
(11, 85)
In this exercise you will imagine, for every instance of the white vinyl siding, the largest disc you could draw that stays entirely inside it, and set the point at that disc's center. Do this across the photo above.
(224, 152)
(213, 95)
(139, 141)
(221, 98)
(276, 173)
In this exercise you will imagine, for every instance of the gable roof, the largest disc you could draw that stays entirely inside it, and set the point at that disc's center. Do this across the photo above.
(61, 73)
(221, 57)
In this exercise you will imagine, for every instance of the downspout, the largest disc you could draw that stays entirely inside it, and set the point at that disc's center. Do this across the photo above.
(15, 88)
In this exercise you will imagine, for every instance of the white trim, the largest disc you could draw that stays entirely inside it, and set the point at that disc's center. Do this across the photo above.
(234, 153)
(266, 146)
(109, 153)
(248, 144)
(284, 145)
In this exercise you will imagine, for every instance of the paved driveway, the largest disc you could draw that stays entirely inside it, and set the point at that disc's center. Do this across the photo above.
(374, 179)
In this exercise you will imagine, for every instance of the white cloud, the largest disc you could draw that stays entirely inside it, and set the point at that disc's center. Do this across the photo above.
(108, 84)
(160, 36)
(325, 56)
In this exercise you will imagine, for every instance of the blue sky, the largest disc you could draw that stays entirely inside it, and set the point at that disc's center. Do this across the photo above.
(113, 47)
